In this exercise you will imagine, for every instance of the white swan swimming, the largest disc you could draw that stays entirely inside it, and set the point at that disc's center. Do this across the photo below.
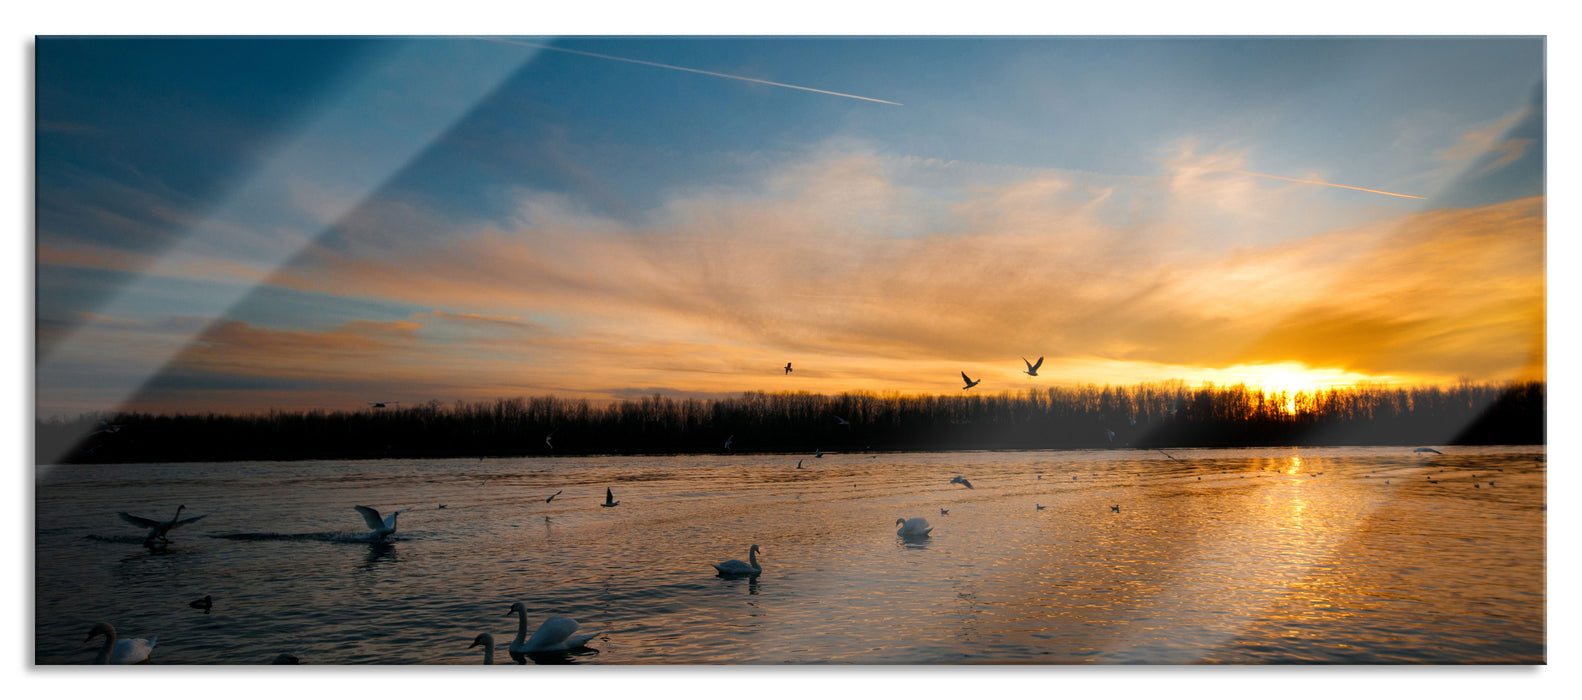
(485, 640)
(915, 527)
(123, 651)
(737, 567)
(382, 528)
(556, 634)
(159, 529)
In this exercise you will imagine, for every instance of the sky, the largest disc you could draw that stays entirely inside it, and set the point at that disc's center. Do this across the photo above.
(244, 224)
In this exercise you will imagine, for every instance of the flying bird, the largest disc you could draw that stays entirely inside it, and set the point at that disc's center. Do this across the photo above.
(788, 368)
(728, 441)
(160, 529)
(799, 464)
(1110, 434)
(609, 499)
(961, 480)
(383, 404)
(1032, 367)
(969, 381)
(817, 453)
(547, 443)
(843, 421)
(553, 495)
(382, 528)
(1167, 454)
(1428, 449)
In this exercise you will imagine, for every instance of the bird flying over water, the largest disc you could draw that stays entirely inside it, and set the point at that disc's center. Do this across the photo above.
(799, 464)
(728, 441)
(1032, 367)
(1110, 434)
(843, 421)
(1167, 454)
(159, 529)
(609, 499)
(382, 528)
(553, 495)
(961, 480)
(1428, 449)
(1035, 505)
(969, 381)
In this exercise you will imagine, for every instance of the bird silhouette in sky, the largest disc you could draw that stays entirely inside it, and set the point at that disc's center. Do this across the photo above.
(788, 368)
(969, 381)
(1032, 367)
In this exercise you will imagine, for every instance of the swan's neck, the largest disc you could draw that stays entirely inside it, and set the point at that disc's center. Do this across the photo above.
(488, 653)
(521, 626)
(752, 558)
(104, 650)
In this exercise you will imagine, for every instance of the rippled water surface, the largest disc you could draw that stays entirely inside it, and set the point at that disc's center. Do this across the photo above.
(1310, 555)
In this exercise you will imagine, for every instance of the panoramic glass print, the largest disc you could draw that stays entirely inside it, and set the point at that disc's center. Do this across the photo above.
(740, 350)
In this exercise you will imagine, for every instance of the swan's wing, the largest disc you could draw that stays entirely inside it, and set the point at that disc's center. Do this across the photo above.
(1036, 365)
(185, 521)
(390, 520)
(132, 651)
(140, 522)
(554, 631)
(371, 516)
(580, 640)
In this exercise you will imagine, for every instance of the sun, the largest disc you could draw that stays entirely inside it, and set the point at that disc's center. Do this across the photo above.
(1291, 378)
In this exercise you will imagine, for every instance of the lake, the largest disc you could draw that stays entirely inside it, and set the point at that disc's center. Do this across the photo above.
(1220, 556)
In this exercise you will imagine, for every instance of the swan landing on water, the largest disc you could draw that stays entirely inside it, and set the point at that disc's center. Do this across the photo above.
(737, 567)
(915, 527)
(382, 528)
(118, 652)
(556, 634)
(159, 529)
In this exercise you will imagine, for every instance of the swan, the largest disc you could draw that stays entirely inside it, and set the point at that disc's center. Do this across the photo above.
(609, 499)
(556, 634)
(737, 567)
(1032, 367)
(485, 640)
(125, 651)
(159, 529)
(916, 527)
(204, 604)
(961, 480)
(969, 381)
(382, 528)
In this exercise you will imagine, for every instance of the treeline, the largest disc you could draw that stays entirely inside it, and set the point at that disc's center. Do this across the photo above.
(1149, 415)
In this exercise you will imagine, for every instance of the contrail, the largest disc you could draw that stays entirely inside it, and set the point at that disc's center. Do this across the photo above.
(1321, 182)
(546, 47)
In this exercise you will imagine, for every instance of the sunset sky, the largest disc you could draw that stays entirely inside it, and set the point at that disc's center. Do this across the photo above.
(235, 225)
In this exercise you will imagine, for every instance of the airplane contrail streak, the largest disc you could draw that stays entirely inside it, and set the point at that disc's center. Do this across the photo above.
(1321, 182)
(546, 47)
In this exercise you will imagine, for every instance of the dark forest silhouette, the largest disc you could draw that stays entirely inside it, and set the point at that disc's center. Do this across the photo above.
(1149, 415)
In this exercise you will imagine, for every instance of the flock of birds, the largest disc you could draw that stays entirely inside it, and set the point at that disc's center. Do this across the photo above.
(557, 634)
